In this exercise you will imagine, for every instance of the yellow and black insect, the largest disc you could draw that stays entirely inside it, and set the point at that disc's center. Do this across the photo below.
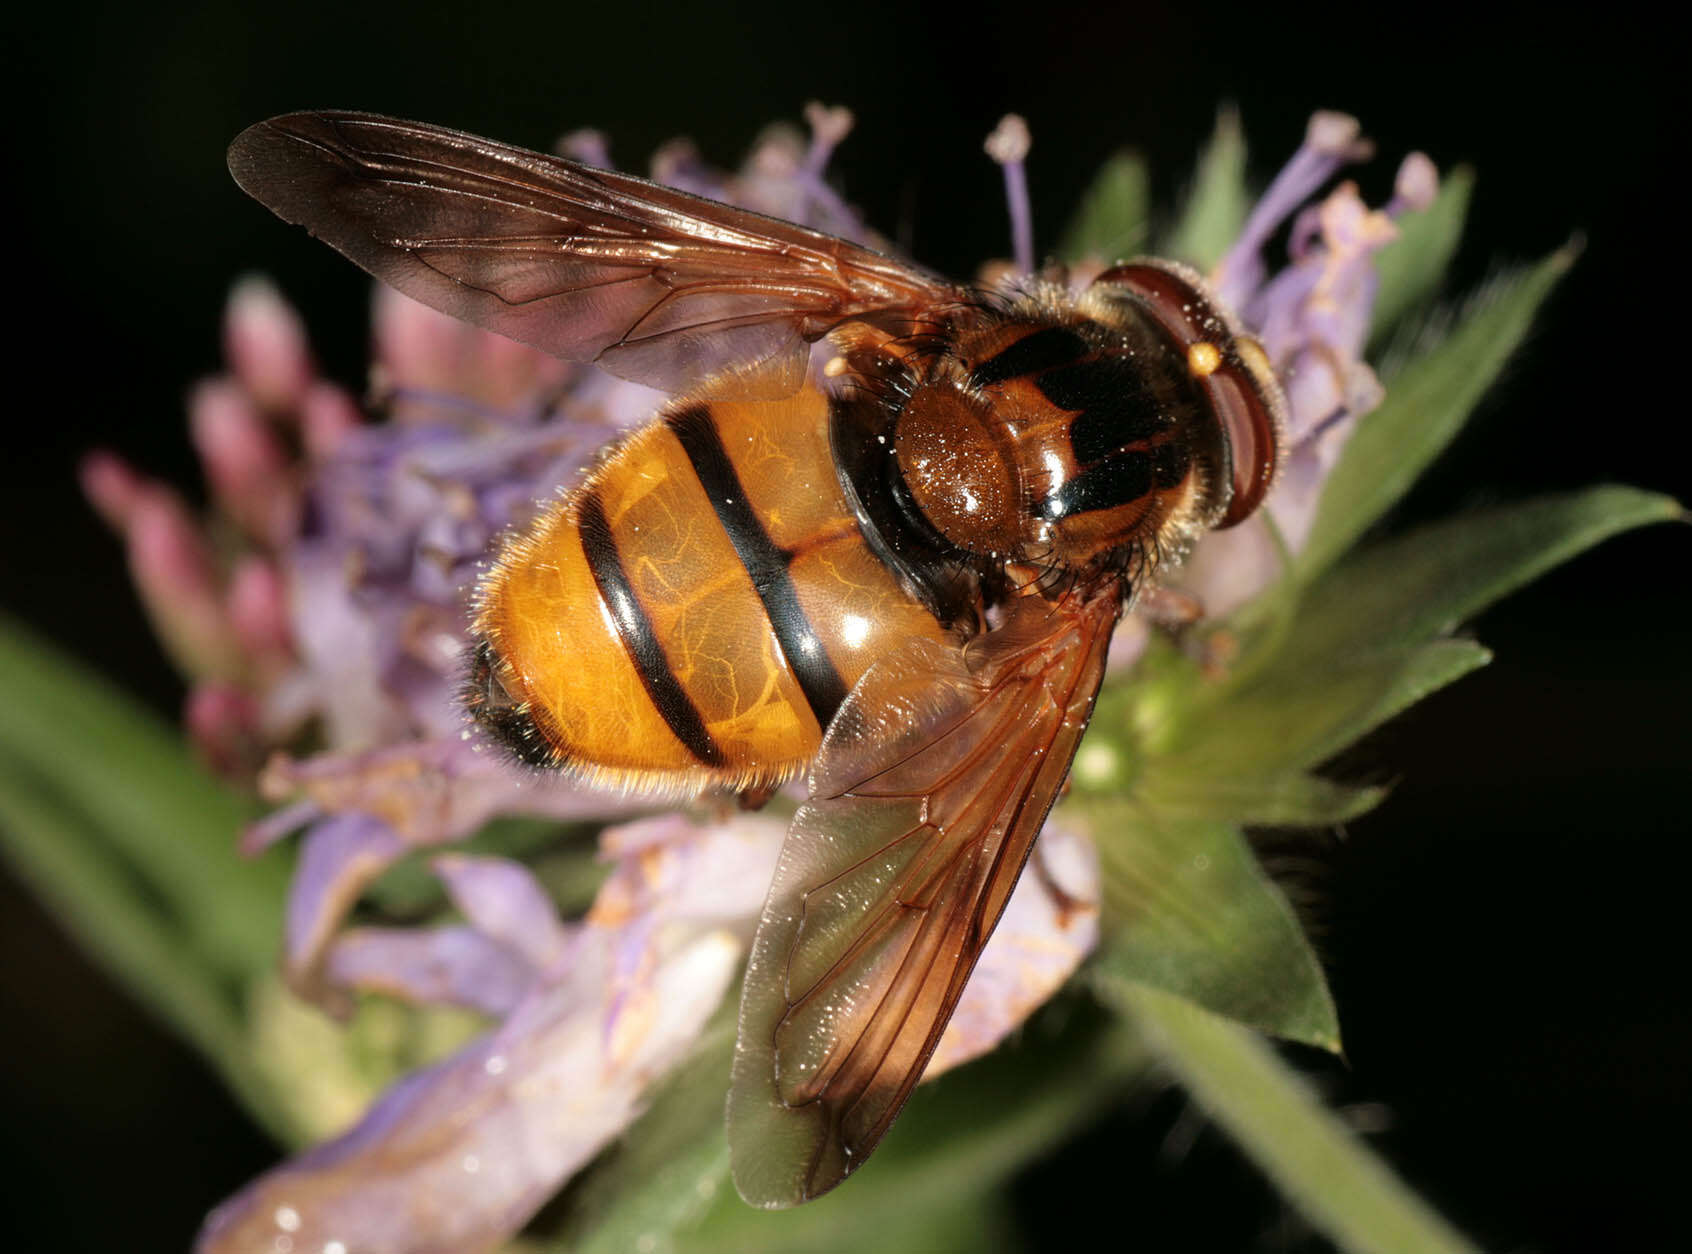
(902, 577)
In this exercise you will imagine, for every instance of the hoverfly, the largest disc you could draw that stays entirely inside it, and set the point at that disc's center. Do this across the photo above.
(901, 578)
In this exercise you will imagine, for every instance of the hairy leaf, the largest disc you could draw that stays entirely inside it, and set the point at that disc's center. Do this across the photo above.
(1333, 1179)
(1427, 582)
(1217, 205)
(142, 802)
(667, 1187)
(1294, 717)
(1111, 223)
(1192, 913)
(1290, 799)
(1427, 404)
(1412, 266)
(66, 856)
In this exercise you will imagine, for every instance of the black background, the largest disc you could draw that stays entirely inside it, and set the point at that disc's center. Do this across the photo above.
(1505, 935)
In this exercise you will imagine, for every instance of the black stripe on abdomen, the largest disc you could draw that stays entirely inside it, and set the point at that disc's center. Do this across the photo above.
(671, 699)
(766, 563)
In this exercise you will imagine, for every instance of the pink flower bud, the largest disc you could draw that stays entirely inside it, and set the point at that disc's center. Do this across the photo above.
(416, 347)
(327, 416)
(265, 343)
(249, 473)
(222, 723)
(258, 612)
(171, 563)
(111, 486)
(1415, 186)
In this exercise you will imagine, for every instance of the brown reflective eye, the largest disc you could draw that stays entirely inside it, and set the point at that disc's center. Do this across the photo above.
(1252, 427)
(1176, 296)
(1253, 422)
(1231, 368)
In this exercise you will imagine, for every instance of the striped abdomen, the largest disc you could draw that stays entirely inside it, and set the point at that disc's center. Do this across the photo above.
(695, 612)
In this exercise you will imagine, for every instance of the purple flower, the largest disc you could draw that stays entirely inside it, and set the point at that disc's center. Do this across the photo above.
(341, 621)
(456, 1157)
(1312, 317)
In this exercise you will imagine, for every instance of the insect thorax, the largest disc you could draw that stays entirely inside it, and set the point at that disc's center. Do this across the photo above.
(1042, 437)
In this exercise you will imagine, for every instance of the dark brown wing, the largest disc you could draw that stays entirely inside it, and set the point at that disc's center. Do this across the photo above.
(931, 785)
(651, 283)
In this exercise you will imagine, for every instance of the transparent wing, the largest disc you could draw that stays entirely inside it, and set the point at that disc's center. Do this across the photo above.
(932, 783)
(651, 283)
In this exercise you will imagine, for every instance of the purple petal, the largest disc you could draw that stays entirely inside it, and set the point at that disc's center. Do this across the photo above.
(1230, 567)
(830, 124)
(341, 649)
(444, 966)
(588, 146)
(384, 803)
(431, 792)
(1313, 319)
(504, 902)
(782, 176)
(1128, 643)
(1008, 145)
(457, 1157)
(338, 859)
(677, 163)
(276, 825)
(1040, 941)
(1414, 186)
(460, 1155)
(1331, 142)
(679, 870)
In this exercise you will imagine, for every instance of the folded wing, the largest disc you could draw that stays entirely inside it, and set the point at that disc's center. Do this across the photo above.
(932, 783)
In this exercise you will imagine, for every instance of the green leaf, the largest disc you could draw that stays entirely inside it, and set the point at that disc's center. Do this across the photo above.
(1192, 913)
(1111, 222)
(1412, 266)
(1361, 645)
(142, 802)
(1364, 641)
(667, 1187)
(1217, 205)
(669, 1169)
(1291, 799)
(1414, 587)
(64, 855)
(1324, 1170)
(1297, 714)
(132, 846)
(1427, 404)
(1070, 1063)
(1200, 757)
(976, 1219)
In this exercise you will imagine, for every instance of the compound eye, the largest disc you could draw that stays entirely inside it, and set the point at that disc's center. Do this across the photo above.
(1248, 409)
(956, 474)
(1231, 368)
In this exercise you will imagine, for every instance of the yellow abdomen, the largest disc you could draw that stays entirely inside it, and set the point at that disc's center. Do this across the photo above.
(694, 613)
